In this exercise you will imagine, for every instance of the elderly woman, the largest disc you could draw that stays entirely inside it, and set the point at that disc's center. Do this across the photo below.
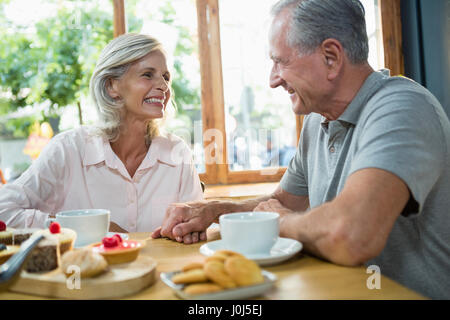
(122, 164)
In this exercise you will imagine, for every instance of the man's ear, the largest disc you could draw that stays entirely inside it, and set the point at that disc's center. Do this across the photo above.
(333, 57)
(111, 87)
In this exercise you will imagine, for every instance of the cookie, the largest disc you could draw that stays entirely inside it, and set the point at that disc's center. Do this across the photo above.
(227, 253)
(222, 255)
(215, 271)
(191, 266)
(244, 272)
(218, 258)
(191, 276)
(201, 288)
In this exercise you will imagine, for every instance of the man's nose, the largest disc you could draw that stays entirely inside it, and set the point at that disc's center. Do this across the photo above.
(275, 79)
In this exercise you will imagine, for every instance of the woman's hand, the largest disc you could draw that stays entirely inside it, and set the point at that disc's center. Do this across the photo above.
(114, 227)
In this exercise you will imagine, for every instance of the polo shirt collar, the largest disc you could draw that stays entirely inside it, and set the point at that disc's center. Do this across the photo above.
(370, 85)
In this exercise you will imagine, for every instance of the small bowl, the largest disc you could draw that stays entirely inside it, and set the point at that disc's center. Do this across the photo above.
(127, 251)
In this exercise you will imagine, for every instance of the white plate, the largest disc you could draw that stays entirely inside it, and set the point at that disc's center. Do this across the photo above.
(110, 234)
(228, 294)
(283, 249)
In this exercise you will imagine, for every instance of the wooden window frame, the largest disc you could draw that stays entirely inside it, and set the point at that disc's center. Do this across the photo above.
(212, 97)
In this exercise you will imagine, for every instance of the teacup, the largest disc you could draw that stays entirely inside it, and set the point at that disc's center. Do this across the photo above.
(91, 225)
(250, 233)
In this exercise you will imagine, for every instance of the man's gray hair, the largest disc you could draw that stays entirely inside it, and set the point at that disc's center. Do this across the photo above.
(113, 63)
(314, 21)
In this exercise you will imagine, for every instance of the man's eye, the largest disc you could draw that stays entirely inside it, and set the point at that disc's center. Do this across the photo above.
(167, 78)
(148, 74)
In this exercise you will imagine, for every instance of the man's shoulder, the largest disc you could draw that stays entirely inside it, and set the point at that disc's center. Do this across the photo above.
(400, 95)
(399, 88)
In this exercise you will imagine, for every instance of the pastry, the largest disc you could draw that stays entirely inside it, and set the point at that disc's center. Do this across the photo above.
(6, 234)
(45, 256)
(191, 276)
(202, 288)
(90, 263)
(6, 252)
(215, 271)
(65, 236)
(243, 271)
(115, 250)
(21, 235)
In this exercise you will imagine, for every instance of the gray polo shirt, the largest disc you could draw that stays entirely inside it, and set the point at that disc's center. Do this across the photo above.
(396, 125)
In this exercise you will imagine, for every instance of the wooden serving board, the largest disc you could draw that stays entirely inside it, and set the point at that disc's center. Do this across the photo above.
(118, 281)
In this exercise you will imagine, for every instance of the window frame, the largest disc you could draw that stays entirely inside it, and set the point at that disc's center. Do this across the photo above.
(212, 96)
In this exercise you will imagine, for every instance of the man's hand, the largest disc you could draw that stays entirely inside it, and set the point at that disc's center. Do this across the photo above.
(186, 222)
(273, 205)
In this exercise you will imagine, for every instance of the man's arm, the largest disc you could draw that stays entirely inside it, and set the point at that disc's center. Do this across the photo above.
(354, 227)
(184, 218)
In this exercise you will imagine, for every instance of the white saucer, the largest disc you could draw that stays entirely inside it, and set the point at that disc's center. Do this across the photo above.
(227, 294)
(283, 249)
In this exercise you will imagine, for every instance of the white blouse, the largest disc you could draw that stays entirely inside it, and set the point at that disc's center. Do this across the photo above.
(79, 170)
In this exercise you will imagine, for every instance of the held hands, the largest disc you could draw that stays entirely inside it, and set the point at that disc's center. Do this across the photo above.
(186, 222)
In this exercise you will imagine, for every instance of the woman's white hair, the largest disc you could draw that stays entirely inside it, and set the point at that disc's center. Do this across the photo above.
(113, 63)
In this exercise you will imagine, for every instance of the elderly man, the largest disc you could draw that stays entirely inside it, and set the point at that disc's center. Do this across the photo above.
(370, 182)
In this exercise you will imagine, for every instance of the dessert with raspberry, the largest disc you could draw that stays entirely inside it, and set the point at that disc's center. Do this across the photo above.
(45, 256)
(21, 235)
(116, 250)
(6, 234)
(66, 237)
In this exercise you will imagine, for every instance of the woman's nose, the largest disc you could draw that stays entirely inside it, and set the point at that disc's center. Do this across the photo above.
(163, 84)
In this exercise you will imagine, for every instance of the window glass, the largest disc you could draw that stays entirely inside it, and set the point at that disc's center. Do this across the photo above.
(48, 50)
(174, 24)
(373, 26)
(260, 125)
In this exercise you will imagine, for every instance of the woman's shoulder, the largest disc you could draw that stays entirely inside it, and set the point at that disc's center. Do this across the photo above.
(171, 141)
(76, 138)
(172, 149)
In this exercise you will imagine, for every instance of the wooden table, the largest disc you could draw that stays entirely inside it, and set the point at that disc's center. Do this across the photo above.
(301, 277)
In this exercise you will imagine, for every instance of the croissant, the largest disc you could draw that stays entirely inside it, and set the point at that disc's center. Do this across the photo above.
(89, 262)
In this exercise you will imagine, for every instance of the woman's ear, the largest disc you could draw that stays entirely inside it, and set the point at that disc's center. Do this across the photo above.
(111, 87)
(333, 56)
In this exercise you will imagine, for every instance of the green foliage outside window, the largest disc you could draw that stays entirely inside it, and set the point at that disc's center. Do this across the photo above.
(53, 64)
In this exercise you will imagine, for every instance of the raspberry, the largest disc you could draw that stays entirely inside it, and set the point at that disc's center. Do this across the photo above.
(55, 227)
(2, 226)
(110, 242)
(119, 238)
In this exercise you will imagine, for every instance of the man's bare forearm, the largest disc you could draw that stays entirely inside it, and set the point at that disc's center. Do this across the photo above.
(220, 207)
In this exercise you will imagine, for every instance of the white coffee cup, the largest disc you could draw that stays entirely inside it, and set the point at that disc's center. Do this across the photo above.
(250, 233)
(91, 225)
